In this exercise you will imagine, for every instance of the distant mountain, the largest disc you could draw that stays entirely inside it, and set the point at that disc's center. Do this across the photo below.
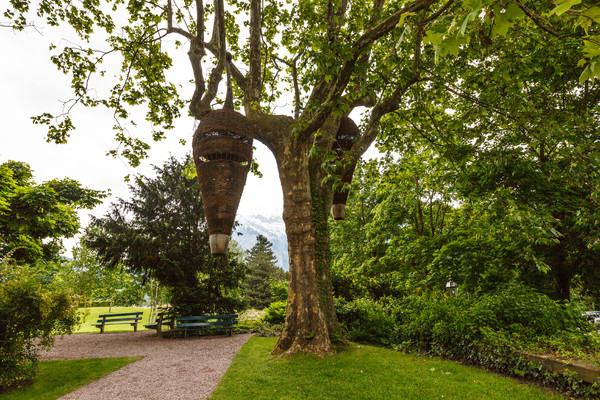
(272, 227)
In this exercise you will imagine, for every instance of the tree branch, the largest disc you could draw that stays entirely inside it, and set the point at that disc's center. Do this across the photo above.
(335, 19)
(203, 96)
(337, 87)
(293, 66)
(252, 90)
(170, 27)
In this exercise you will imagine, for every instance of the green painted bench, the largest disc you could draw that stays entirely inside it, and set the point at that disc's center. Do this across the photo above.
(115, 319)
(200, 322)
(164, 318)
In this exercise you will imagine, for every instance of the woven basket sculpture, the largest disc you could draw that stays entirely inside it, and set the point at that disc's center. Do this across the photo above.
(222, 153)
(344, 139)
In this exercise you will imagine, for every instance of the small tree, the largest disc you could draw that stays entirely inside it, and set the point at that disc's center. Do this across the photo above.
(261, 272)
(89, 279)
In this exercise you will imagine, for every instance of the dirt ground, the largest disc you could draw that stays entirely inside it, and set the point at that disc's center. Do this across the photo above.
(171, 369)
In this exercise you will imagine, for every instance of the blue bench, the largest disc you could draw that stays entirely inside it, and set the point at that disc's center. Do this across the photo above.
(115, 319)
(200, 322)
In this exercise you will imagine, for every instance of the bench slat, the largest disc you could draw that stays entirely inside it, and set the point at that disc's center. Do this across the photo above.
(200, 324)
(190, 323)
(205, 317)
(121, 314)
(118, 319)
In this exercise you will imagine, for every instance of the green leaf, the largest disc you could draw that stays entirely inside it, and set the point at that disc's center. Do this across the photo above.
(513, 11)
(595, 67)
(585, 75)
(593, 13)
(434, 38)
(502, 24)
(591, 48)
(406, 31)
(564, 6)
(468, 18)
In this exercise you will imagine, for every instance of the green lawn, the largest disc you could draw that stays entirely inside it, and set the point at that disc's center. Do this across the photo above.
(92, 317)
(57, 378)
(362, 372)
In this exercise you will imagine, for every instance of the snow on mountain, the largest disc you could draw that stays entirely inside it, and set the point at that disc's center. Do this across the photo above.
(271, 227)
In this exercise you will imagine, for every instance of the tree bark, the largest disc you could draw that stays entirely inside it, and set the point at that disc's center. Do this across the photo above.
(306, 327)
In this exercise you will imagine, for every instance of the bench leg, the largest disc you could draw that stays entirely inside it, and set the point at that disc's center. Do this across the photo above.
(101, 328)
(134, 327)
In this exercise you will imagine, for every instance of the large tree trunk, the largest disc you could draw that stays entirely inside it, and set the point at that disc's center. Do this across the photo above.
(321, 206)
(306, 323)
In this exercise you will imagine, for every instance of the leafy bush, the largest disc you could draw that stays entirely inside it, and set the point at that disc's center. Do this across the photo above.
(279, 290)
(365, 320)
(29, 314)
(492, 331)
(458, 327)
(275, 313)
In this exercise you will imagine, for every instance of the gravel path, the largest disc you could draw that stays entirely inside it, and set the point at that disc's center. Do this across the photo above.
(171, 368)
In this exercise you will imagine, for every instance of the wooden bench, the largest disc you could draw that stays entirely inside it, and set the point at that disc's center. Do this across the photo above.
(199, 322)
(115, 319)
(163, 319)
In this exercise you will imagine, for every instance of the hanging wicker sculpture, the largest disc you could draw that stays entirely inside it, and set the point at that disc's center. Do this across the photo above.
(222, 153)
(344, 139)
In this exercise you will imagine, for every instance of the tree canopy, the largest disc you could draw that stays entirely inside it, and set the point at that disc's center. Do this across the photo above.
(35, 217)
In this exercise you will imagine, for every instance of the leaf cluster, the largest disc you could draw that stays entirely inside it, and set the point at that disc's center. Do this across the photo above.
(35, 217)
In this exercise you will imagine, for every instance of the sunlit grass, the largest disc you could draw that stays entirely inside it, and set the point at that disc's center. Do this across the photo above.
(57, 378)
(91, 316)
(362, 372)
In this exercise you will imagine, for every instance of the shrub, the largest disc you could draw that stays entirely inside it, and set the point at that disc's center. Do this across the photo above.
(365, 320)
(275, 313)
(279, 290)
(458, 326)
(29, 314)
(494, 329)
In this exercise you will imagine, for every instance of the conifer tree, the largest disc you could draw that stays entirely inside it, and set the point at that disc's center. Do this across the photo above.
(262, 270)
(161, 232)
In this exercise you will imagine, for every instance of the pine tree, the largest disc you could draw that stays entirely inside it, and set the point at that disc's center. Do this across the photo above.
(262, 270)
